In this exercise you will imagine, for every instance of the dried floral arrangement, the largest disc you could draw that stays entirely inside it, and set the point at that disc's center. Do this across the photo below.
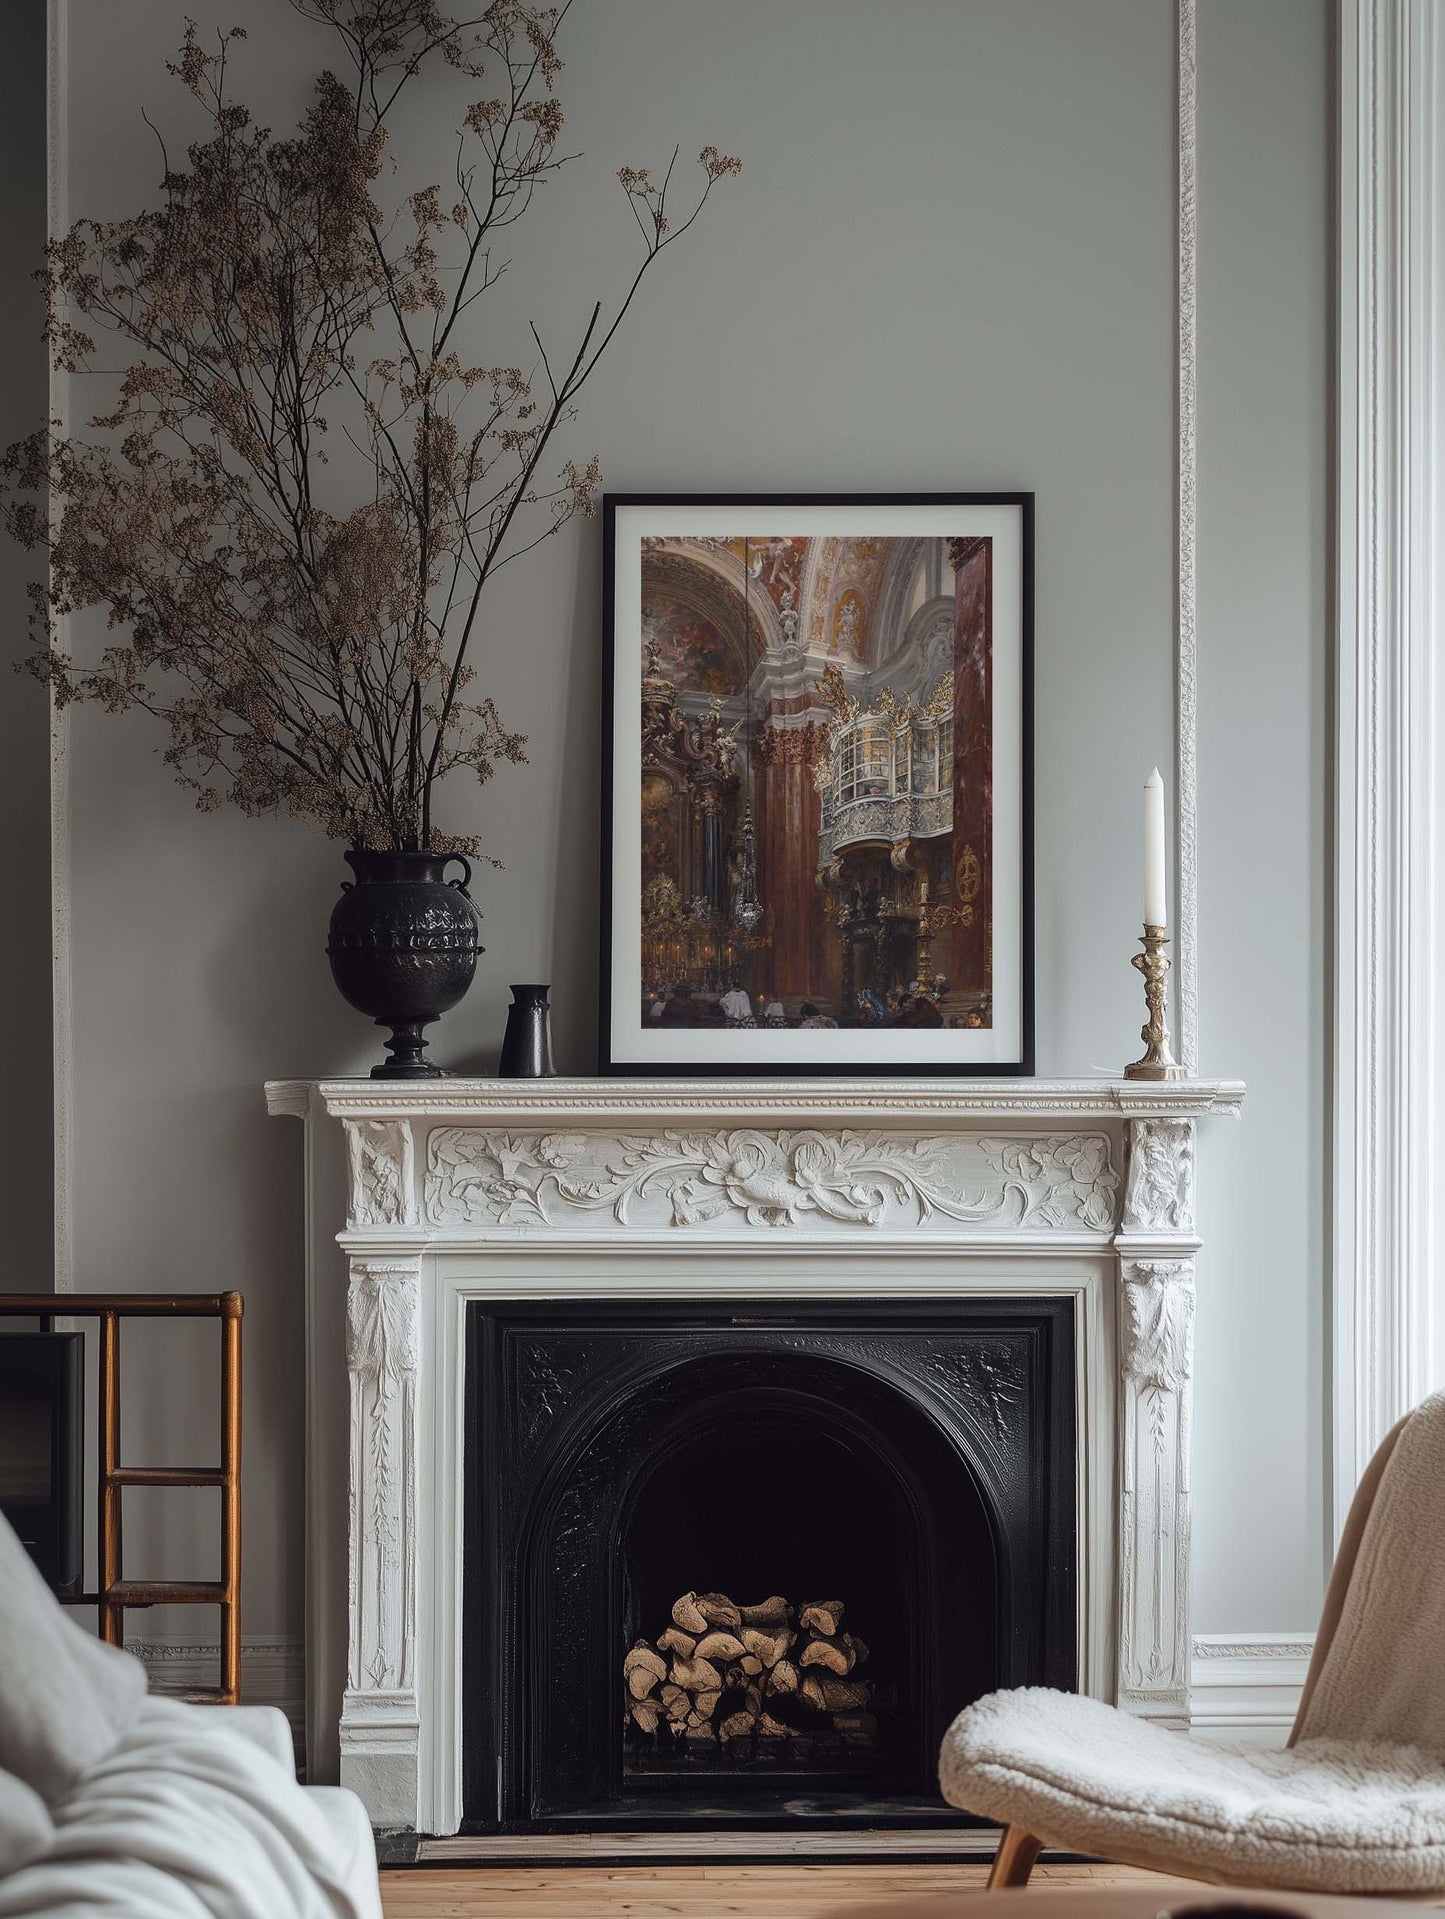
(310, 651)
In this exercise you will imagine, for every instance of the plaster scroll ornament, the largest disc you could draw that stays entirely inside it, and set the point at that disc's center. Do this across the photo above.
(774, 1179)
(1159, 1188)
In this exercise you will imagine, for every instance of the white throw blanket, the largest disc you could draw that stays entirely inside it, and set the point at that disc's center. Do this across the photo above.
(114, 1803)
(188, 1819)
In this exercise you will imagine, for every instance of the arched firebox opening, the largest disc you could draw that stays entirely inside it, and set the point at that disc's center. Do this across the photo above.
(820, 1486)
(730, 1567)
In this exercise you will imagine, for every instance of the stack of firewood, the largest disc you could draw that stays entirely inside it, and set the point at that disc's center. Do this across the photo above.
(733, 1675)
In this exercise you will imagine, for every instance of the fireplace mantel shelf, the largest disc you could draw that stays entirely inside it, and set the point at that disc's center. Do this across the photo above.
(425, 1195)
(870, 1101)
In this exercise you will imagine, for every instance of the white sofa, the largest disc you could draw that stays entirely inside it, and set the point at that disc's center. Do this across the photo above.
(113, 1802)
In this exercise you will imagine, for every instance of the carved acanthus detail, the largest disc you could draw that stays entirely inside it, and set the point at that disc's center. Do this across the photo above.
(1157, 1321)
(382, 1312)
(381, 1324)
(1159, 1190)
(1052, 1181)
(382, 1169)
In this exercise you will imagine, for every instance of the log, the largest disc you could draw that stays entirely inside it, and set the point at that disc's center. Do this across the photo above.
(772, 1728)
(643, 1670)
(646, 1714)
(857, 1728)
(697, 1675)
(750, 1665)
(685, 1613)
(768, 1643)
(717, 1609)
(835, 1695)
(824, 1616)
(678, 1641)
(783, 1678)
(837, 1655)
(767, 1612)
(738, 1725)
(677, 1702)
(719, 1646)
(704, 1705)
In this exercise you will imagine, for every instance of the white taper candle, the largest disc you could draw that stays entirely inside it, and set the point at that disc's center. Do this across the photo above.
(1156, 897)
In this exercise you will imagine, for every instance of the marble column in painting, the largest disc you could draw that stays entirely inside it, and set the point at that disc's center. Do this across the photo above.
(795, 965)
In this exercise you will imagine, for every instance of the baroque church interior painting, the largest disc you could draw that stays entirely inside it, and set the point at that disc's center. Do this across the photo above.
(816, 782)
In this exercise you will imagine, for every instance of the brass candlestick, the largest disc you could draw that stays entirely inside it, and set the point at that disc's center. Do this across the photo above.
(1158, 1062)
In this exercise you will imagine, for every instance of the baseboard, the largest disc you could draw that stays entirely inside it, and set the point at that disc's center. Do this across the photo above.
(1242, 1685)
(273, 1672)
(1247, 1685)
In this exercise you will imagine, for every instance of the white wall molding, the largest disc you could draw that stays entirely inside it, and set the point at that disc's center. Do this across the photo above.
(57, 213)
(1247, 1685)
(1186, 699)
(1388, 839)
(273, 1672)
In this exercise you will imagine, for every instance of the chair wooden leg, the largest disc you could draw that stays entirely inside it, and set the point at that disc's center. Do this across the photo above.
(1014, 1860)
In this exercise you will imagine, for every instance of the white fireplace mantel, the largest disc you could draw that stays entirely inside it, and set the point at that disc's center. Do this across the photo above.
(446, 1191)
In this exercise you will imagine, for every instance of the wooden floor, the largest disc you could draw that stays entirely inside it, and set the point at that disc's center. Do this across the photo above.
(699, 1892)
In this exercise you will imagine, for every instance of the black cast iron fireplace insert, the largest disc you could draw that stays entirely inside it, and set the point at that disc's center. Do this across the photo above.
(629, 1463)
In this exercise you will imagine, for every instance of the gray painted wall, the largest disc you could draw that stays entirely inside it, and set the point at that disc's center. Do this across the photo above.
(948, 263)
(1264, 622)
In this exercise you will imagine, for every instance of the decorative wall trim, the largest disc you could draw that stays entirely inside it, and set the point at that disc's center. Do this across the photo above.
(1186, 701)
(273, 1672)
(1248, 1685)
(1389, 837)
(1239, 1683)
(61, 1016)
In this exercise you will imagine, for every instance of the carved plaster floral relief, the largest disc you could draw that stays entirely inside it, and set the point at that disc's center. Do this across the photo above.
(1063, 1179)
(381, 1155)
(770, 1178)
(1159, 1191)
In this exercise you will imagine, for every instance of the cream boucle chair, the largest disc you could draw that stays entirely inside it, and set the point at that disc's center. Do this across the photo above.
(1355, 1803)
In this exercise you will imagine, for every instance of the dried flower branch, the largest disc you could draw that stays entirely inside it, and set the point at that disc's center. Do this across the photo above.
(309, 650)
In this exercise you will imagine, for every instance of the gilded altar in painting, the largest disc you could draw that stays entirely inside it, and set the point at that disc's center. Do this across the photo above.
(816, 782)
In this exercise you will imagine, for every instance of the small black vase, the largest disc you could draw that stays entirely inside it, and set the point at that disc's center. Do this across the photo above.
(403, 948)
(527, 1042)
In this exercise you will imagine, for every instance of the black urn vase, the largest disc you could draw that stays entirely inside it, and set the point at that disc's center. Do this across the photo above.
(403, 948)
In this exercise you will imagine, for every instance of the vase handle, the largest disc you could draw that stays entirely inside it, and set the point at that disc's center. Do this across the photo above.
(465, 881)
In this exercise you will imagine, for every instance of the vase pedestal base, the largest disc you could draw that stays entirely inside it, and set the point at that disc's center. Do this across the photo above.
(407, 1054)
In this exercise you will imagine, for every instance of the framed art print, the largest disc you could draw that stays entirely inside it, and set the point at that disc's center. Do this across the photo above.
(818, 768)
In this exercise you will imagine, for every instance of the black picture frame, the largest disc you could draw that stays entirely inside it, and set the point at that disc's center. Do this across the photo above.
(1021, 1064)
